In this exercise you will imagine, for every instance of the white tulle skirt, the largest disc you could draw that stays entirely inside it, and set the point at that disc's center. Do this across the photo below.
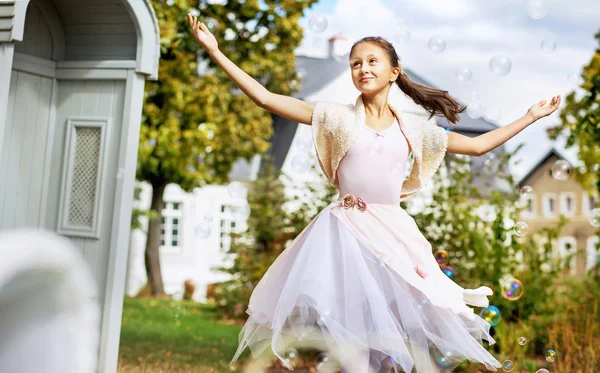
(348, 282)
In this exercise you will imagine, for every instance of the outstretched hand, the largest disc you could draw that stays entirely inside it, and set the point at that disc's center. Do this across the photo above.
(541, 110)
(202, 34)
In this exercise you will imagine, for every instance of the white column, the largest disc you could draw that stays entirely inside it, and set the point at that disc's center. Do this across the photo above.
(119, 244)
(6, 61)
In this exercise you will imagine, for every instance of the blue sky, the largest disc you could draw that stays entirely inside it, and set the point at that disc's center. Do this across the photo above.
(474, 31)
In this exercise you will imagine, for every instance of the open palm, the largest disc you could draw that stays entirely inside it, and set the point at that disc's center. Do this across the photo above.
(541, 110)
(202, 34)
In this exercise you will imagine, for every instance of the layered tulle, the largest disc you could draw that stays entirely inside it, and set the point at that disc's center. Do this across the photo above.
(348, 282)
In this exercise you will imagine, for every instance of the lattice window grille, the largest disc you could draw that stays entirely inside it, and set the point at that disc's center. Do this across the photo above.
(83, 173)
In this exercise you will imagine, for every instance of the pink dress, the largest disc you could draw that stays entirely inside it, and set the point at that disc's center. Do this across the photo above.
(348, 281)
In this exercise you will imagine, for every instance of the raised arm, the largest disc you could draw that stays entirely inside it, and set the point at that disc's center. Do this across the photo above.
(284, 106)
(461, 144)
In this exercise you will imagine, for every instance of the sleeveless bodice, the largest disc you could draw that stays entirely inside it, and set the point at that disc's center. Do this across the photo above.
(375, 165)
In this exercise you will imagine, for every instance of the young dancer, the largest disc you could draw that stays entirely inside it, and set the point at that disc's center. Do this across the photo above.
(361, 279)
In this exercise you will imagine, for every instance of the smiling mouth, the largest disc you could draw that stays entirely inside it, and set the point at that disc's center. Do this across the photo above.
(365, 80)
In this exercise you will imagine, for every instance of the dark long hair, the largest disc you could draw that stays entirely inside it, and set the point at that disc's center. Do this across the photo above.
(435, 101)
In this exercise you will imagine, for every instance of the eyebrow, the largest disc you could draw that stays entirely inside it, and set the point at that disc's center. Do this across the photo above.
(370, 55)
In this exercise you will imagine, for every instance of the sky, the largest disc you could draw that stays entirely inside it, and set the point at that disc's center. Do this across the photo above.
(473, 32)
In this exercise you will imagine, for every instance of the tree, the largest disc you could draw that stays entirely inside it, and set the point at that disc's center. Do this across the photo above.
(194, 127)
(580, 120)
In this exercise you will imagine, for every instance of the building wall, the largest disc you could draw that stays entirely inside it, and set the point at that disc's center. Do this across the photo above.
(578, 232)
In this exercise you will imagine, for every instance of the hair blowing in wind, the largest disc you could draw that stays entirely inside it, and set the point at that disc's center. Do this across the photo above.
(435, 101)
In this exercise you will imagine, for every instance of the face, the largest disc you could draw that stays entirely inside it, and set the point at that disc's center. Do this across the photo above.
(371, 68)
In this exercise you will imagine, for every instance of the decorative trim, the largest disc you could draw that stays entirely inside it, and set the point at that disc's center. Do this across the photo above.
(64, 227)
(91, 74)
(34, 65)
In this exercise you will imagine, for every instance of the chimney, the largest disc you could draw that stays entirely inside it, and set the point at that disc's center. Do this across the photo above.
(331, 46)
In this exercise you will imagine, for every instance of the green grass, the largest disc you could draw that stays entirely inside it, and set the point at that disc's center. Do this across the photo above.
(173, 335)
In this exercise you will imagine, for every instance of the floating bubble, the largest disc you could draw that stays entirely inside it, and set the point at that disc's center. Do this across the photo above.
(304, 143)
(543, 370)
(241, 212)
(448, 271)
(500, 65)
(537, 9)
(236, 190)
(492, 114)
(443, 362)
(474, 109)
(548, 45)
(561, 170)
(508, 365)
(202, 231)
(512, 290)
(574, 79)
(521, 229)
(402, 36)
(490, 160)
(436, 44)
(522, 341)
(317, 23)
(550, 356)
(463, 74)
(594, 217)
(491, 314)
(441, 257)
(300, 163)
(525, 191)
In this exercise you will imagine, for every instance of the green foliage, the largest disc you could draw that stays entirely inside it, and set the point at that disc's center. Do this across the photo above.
(271, 227)
(580, 121)
(195, 127)
(483, 249)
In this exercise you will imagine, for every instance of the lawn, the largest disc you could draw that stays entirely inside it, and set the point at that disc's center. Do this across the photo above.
(172, 336)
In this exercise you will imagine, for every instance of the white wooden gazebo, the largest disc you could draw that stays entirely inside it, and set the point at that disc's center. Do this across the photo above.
(72, 76)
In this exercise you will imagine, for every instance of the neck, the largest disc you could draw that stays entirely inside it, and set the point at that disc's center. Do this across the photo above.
(376, 105)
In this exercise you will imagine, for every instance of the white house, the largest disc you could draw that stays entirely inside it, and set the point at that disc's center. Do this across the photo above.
(184, 256)
(72, 77)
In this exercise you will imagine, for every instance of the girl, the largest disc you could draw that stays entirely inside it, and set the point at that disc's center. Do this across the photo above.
(361, 279)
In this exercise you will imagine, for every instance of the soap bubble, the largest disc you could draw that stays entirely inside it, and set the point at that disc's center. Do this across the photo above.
(500, 65)
(448, 271)
(441, 257)
(304, 143)
(525, 191)
(443, 362)
(241, 212)
(317, 23)
(543, 370)
(561, 170)
(402, 36)
(594, 217)
(537, 9)
(491, 314)
(512, 290)
(202, 231)
(236, 190)
(522, 341)
(463, 74)
(492, 114)
(300, 163)
(490, 160)
(474, 109)
(550, 356)
(521, 229)
(508, 365)
(574, 79)
(436, 44)
(548, 45)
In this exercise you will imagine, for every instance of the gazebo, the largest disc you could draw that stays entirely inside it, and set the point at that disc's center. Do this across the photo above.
(72, 75)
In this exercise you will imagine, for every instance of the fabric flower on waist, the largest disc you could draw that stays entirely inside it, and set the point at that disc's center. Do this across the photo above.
(349, 201)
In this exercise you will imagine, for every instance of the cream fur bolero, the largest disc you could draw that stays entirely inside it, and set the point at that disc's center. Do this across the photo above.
(336, 126)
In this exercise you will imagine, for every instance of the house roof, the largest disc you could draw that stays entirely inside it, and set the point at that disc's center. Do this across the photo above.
(545, 156)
